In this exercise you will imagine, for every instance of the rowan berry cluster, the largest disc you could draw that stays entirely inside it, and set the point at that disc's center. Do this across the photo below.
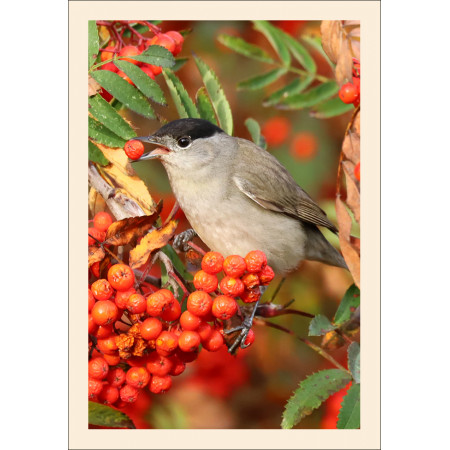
(349, 92)
(141, 338)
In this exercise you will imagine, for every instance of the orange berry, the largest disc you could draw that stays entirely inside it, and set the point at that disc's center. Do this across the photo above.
(276, 130)
(94, 387)
(234, 266)
(105, 312)
(112, 360)
(166, 343)
(189, 341)
(116, 377)
(158, 364)
(178, 365)
(250, 338)
(199, 303)
(130, 50)
(98, 368)
(121, 277)
(137, 304)
(134, 149)
(122, 297)
(212, 262)
(206, 282)
(231, 286)
(107, 55)
(178, 38)
(97, 234)
(151, 328)
(304, 146)
(91, 300)
(172, 313)
(95, 269)
(92, 326)
(224, 307)
(102, 289)
(159, 385)
(102, 221)
(108, 345)
(256, 260)
(266, 275)
(214, 342)
(250, 280)
(109, 395)
(251, 295)
(164, 41)
(146, 68)
(357, 171)
(104, 331)
(204, 330)
(159, 301)
(138, 377)
(129, 394)
(189, 321)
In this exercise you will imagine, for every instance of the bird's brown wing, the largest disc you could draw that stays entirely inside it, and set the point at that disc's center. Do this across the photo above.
(270, 185)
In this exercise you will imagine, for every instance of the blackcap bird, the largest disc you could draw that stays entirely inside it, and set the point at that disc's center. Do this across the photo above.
(238, 197)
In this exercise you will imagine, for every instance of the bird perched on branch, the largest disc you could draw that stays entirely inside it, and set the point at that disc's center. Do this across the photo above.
(238, 197)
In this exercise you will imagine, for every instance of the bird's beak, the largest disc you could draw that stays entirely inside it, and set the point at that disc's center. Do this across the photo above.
(155, 153)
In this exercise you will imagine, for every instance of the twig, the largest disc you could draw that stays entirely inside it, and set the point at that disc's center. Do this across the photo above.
(175, 209)
(196, 248)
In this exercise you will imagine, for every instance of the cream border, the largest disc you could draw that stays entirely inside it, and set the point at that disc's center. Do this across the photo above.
(369, 435)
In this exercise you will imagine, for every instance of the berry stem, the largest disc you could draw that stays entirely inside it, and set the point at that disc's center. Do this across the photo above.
(196, 248)
(275, 293)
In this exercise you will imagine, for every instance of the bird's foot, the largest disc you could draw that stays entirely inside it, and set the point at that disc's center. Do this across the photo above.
(181, 240)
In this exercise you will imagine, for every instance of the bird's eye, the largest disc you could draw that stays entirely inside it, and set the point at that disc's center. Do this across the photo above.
(184, 142)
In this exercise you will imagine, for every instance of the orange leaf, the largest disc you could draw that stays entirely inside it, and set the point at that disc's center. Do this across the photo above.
(353, 197)
(124, 231)
(95, 254)
(152, 241)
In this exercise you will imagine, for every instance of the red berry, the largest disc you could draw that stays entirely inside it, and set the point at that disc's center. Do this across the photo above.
(108, 345)
(129, 394)
(91, 300)
(92, 326)
(186, 357)
(159, 385)
(97, 234)
(357, 83)
(304, 146)
(155, 69)
(189, 321)
(250, 280)
(109, 395)
(189, 341)
(125, 77)
(105, 312)
(95, 268)
(121, 277)
(250, 338)
(266, 275)
(234, 266)
(164, 41)
(214, 342)
(102, 289)
(357, 171)
(348, 93)
(112, 360)
(166, 343)
(104, 56)
(134, 149)
(130, 50)
(276, 131)
(104, 331)
(109, 66)
(146, 68)
(199, 303)
(204, 281)
(204, 330)
(138, 377)
(116, 377)
(159, 365)
(178, 38)
(159, 301)
(151, 328)
(212, 262)
(102, 221)
(172, 313)
(232, 286)
(256, 260)
(251, 295)
(94, 387)
(224, 307)
(98, 368)
(137, 304)
(178, 365)
(122, 297)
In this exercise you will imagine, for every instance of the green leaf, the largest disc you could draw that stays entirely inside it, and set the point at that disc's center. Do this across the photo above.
(185, 106)
(316, 43)
(311, 97)
(103, 135)
(150, 88)
(138, 27)
(300, 53)
(261, 81)
(244, 48)
(106, 416)
(96, 155)
(275, 37)
(157, 56)
(124, 92)
(255, 132)
(177, 263)
(331, 108)
(354, 361)
(108, 116)
(216, 95)
(320, 325)
(179, 63)
(295, 87)
(312, 391)
(93, 42)
(348, 304)
(204, 106)
(349, 416)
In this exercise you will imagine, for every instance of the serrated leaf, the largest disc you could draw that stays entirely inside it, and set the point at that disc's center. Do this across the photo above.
(157, 56)
(204, 106)
(316, 43)
(312, 391)
(104, 135)
(109, 117)
(348, 304)
(96, 155)
(93, 42)
(349, 415)
(217, 96)
(124, 92)
(300, 53)
(185, 106)
(320, 325)
(354, 361)
(105, 416)
(244, 48)
(150, 88)
(295, 87)
(275, 37)
(331, 108)
(179, 63)
(260, 81)
(310, 98)
(255, 132)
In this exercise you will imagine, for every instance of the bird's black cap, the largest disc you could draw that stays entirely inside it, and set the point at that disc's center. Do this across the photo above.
(194, 128)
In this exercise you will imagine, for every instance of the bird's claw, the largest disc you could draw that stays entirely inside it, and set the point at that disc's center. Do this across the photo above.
(181, 240)
(244, 329)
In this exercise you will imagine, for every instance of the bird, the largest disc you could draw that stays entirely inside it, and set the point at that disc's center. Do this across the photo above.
(238, 197)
